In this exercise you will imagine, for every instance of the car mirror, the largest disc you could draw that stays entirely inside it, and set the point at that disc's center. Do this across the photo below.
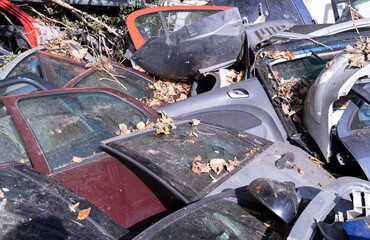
(280, 197)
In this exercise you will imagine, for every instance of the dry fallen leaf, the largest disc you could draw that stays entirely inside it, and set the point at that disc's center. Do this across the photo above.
(290, 54)
(199, 167)
(83, 214)
(195, 122)
(77, 159)
(140, 126)
(300, 171)
(72, 207)
(217, 164)
(193, 134)
(2, 194)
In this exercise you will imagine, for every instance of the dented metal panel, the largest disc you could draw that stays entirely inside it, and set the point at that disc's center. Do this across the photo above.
(180, 54)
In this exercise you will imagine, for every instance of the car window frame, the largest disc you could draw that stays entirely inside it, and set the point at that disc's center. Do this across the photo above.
(176, 190)
(33, 148)
(135, 35)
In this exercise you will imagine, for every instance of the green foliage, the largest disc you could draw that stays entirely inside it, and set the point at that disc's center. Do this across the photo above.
(49, 10)
(6, 59)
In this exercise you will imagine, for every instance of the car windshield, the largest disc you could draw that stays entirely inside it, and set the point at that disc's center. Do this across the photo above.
(272, 10)
(307, 68)
(69, 127)
(11, 145)
(222, 219)
(119, 79)
(55, 68)
(170, 157)
(149, 25)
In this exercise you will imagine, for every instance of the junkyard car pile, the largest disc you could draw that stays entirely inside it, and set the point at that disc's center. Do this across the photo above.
(244, 136)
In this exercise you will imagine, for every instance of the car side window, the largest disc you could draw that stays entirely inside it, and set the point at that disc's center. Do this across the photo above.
(69, 127)
(29, 64)
(119, 79)
(18, 88)
(149, 25)
(11, 145)
(178, 19)
(361, 119)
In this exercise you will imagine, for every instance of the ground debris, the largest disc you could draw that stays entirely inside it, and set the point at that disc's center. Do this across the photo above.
(60, 46)
(166, 92)
(232, 76)
(360, 52)
(316, 159)
(290, 94)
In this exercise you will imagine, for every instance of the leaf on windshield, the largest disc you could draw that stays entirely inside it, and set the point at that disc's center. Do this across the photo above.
(217, 164)
(140, 126)
(83, 214)
(195, 122)
(77, 159)
(199, 167)
(193, 134)
(72, 207)
(290, 55)
(214, 164)
(2, 194)
(276, 54)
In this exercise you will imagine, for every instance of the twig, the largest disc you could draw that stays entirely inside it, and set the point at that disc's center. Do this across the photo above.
(353, 19)
(43, 16)
(83, 15)
(16, 29)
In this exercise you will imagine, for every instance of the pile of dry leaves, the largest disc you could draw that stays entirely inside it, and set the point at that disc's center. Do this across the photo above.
(216, 165)
(166, 92)
(360, 52)
(293, 93)
(164, 125)
(277, 55)
(68, 48)
(234, 76)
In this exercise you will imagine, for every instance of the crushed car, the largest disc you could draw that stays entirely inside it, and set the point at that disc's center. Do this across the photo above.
(272, 209)
(58, 132)
(195, 159)
(183, 42)
(321, 118)
(303, 12)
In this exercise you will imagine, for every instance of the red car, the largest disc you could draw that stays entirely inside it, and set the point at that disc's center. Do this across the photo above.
(30, 25)
(59, 131)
